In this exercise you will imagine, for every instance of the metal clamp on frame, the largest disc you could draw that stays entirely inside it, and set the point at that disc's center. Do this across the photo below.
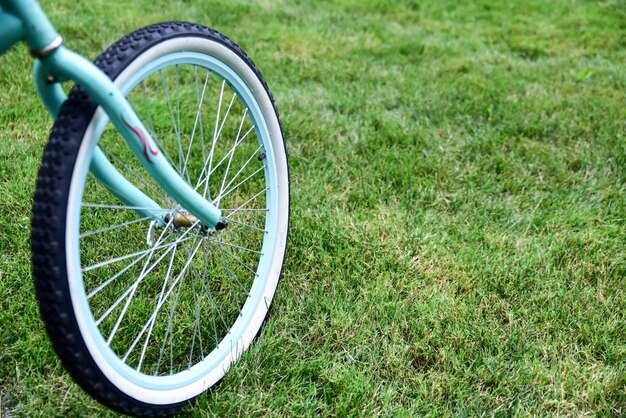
(48, 49)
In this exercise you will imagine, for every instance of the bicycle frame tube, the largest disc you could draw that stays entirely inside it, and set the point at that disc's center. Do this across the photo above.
(64, 64)
(36, 28)
(53, 97)
(11, 31)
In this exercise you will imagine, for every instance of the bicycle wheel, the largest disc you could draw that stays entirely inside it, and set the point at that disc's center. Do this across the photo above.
(147, 317)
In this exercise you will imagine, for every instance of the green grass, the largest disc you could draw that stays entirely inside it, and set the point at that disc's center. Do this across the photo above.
(458, 208)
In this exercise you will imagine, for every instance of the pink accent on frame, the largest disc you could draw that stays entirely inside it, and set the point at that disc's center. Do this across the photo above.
(144, 140)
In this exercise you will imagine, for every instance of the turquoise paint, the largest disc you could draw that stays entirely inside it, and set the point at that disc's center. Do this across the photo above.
(25, 19)
(11, 31)
(124, 190)
(71, 65)
(38, 31)
(52, 95)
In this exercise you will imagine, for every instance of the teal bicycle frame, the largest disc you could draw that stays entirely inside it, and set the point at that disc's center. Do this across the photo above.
(24, 20)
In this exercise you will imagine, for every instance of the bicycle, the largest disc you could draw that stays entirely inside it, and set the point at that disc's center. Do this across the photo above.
(161, 208)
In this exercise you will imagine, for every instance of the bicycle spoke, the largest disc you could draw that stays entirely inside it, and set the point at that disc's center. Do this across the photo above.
(195, 70)
(217, 132)
(127, 292)
(239, 247)
(147, 106)
(124, 257)
(230, 105)
(128, 295)
(158, 142)
(150, 124)
(229, 273)
(208, 293)
(176, 128)
(245, 224)
(232, 153)
(150, 323)
(245, 210)
(229, 153)
(124, 270)
(238, 260)
(195, 125)
(248, 201)
(137, 176)
(131, 290)
(180, 134)
(219, 244)
(244, 165)
(240, 183)
(123, 207)
(202, 180)
(196, 303)
(113, 227)
(196, 324)
(174, 283)
(215, 128)
(168, 275)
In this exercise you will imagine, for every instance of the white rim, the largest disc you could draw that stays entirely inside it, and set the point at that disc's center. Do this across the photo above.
(168, 396)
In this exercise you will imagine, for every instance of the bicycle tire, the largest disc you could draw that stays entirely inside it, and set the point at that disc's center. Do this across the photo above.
(101, 354)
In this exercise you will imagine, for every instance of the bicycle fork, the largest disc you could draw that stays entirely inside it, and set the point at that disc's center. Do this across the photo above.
(69, 65)
(54, 64)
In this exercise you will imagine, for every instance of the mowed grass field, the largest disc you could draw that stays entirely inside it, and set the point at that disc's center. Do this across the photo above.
(458, 228)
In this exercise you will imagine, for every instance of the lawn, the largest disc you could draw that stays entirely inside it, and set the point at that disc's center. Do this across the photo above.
(458, 230)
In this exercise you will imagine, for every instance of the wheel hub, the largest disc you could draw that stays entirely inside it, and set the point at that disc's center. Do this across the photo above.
(178, 219)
